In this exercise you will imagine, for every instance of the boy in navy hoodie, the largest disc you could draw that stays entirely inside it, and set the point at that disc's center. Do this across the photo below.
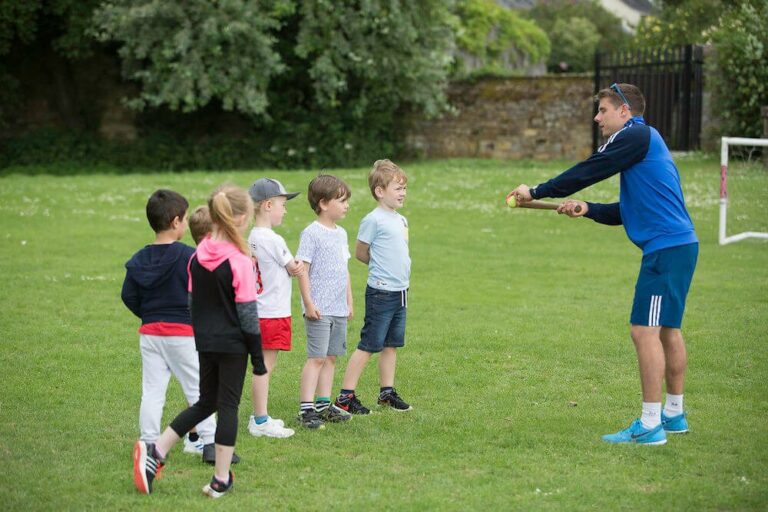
(155, 290)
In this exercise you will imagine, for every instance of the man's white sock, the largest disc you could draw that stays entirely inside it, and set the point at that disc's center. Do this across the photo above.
(673, 406)
(651, 417)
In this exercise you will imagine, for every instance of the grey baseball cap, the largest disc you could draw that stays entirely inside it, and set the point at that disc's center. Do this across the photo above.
(265, 188)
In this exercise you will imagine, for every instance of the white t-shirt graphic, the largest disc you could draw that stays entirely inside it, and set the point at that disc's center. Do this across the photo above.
(273, 283)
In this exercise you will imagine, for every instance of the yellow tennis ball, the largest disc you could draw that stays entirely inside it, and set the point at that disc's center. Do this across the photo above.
(512, 201)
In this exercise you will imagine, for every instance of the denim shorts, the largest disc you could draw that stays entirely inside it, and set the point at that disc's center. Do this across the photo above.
(662, 286)
(384, 324)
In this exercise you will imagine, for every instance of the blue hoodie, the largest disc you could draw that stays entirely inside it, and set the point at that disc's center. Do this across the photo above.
(155, 286)
(651, 205)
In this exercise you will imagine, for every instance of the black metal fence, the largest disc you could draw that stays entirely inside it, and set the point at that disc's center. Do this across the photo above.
(671, 80)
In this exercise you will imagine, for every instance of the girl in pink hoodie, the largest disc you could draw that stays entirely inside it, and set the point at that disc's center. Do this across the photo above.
(225, 321)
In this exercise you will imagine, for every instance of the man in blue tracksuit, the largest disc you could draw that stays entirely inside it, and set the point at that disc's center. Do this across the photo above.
(652, 209)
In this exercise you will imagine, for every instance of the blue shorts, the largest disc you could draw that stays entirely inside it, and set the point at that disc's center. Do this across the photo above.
(662, 286)
(384, 324)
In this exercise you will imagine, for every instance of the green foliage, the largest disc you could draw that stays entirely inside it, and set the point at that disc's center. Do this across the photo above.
(287, 146)
(365, 54)
(739, 79)
(574, 41)
(185, 54)
(492, 39)
(572, 46)
(64, 22)
(679, 22)
(17, 20)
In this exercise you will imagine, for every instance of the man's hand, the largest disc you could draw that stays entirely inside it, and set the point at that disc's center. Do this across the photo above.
(569, 208)
(522, 194)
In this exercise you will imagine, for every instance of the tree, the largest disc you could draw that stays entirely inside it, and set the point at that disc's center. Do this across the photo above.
(740, 64)
(491, 38)
(187, 53)
(678, 22)
(388, 52)
(573, 48)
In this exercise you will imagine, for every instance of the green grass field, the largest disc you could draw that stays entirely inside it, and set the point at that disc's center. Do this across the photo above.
(517, 359)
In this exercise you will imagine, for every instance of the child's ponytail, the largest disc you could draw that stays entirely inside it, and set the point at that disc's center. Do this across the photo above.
(226, 203)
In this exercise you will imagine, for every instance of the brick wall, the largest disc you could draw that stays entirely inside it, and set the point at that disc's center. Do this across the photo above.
(511, 118)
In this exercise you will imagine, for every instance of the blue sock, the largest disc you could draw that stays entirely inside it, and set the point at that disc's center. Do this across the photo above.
(261, 419)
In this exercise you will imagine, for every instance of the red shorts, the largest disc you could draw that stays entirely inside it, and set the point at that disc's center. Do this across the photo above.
(275, 333)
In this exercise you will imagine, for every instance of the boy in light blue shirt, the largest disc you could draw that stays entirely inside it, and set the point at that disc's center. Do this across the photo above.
(382, 244)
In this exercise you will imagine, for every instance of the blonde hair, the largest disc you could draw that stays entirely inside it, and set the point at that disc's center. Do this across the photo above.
(226, 203)
(200, 223)
(383, 173)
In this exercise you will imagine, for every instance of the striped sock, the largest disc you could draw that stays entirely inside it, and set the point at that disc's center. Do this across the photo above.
(322, 403)
(306, 406)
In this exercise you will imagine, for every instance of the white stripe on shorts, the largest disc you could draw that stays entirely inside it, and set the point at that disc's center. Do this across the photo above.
(654, 312)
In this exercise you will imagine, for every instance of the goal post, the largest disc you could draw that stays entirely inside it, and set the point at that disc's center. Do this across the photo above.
(726, 142)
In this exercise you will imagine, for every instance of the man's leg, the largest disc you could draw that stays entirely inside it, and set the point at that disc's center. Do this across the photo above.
(650, 359)
(673, 416)
(676, 359)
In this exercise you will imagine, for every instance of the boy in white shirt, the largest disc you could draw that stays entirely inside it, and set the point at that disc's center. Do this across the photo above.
(327, 299)
(274, 267)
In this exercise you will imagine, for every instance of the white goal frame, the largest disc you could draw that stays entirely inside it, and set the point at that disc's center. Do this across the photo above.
(724, 144)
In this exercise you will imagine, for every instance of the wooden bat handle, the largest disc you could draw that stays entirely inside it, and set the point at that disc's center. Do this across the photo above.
(543, 205)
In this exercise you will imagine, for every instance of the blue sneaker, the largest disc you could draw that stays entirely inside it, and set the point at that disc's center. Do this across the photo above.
(637, 433)
(675, 424)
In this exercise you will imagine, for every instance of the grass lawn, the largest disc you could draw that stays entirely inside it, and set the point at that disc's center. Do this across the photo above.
(517, 359)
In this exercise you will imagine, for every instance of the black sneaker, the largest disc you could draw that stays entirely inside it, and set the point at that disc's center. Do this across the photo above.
(393, 400)
(146, 466)
(335, 414)
(351, 404)
(209, 454)
(217, 489)
(309, 418)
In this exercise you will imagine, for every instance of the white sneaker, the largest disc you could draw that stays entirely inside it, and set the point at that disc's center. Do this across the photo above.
(194, 447)
(270, 428)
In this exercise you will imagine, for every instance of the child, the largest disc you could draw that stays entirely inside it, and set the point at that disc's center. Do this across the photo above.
(200, 224)
(327, 299)
(155, 290)
(274, 267)
(382, 243)
(222, 288)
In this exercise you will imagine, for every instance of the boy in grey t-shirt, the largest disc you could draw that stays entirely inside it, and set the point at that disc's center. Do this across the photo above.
(326, 299)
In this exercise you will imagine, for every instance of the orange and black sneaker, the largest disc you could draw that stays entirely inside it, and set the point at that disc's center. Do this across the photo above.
(146, 466)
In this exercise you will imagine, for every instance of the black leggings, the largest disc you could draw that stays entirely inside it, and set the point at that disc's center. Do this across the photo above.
(221, 386)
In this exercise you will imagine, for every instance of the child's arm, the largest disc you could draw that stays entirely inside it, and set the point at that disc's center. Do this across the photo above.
(294, 267)
(349, 297)
(130, 296)
(363, 252)
(310, 310)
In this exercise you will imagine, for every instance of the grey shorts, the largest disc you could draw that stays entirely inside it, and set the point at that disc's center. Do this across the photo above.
(327, 336)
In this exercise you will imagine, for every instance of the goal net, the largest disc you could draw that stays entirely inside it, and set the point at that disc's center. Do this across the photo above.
(743, 189)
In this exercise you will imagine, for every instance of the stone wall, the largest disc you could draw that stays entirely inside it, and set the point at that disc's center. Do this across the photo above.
(511, 118)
